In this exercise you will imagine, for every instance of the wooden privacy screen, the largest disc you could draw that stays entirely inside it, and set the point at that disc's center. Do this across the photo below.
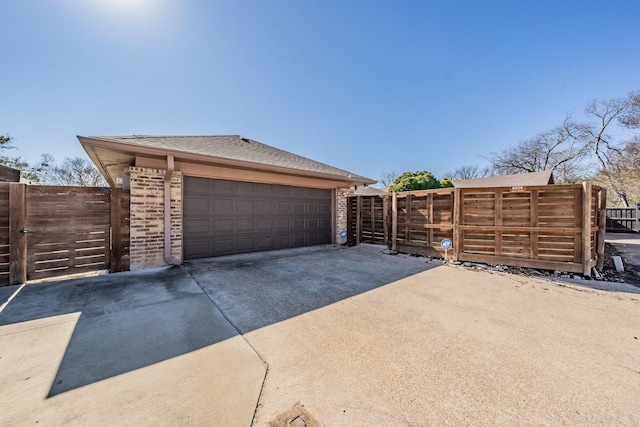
(557, 227)
(48, 231)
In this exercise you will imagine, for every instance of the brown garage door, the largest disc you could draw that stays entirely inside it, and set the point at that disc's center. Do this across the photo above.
(229, 217)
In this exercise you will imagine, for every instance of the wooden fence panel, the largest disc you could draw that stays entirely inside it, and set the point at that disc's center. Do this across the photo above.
(69, 230)
(4, 234)
(626, 220)
(422, 220)
(49, 231)
(549, 227)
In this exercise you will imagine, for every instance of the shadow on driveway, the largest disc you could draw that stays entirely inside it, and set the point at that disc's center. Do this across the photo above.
(128, 321)
(258, 290)
(132, 320)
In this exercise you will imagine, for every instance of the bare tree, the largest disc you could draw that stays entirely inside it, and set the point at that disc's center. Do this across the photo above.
(557, 150)
(388, 178)
(624, 169)
(468, 172)
(76, 171)
(594, 135)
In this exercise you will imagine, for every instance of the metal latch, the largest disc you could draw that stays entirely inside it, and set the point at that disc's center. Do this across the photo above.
(24, 230)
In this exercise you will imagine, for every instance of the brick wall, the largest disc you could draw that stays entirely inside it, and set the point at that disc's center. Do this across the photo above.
(147, 217)
(341, 212)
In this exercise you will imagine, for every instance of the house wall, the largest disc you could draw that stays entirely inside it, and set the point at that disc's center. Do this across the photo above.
(147, 217)
(341, 213)
(236, 174)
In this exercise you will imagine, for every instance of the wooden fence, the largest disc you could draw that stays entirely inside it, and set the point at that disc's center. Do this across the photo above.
(623, 219)
(558, 227)
(49, 231)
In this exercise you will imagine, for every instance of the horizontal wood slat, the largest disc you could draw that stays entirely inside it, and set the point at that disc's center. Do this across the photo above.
(539, 227)
(66, 230)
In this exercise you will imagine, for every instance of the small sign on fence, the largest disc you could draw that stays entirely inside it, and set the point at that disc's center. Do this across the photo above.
(446, 245)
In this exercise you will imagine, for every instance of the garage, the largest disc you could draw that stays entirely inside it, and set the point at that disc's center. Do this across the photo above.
(201, 196)
(224, 217)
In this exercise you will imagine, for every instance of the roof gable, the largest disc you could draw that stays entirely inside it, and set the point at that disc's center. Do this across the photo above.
(227, 147)
(523, 179)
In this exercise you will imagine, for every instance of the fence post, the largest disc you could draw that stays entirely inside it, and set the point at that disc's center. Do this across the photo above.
(385, 219)
(602, 224)
(358, 219)
(637, 222)
(394, 220)
(586, 228)
(116, 230)
(456, 223)
(17, 234)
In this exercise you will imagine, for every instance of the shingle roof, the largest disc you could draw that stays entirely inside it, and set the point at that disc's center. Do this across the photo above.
(232, 147)
(524, 179)
(368, 191)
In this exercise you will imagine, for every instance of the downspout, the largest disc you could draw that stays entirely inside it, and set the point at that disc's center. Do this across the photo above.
(167, 213)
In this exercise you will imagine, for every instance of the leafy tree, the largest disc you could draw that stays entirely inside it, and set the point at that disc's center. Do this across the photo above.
(410, 181)
(27, 171)
(446, 183)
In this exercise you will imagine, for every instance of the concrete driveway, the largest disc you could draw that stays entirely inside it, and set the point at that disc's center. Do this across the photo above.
(146, 348)
(350, 336)
(362, 338)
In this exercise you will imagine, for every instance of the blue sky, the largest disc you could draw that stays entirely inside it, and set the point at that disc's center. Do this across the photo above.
(367, 86)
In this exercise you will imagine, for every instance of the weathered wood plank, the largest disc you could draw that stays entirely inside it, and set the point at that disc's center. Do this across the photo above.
(17, 236)
(602, 224)
(586, 228)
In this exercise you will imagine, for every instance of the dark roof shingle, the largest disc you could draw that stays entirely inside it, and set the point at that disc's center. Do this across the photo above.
(233, 147)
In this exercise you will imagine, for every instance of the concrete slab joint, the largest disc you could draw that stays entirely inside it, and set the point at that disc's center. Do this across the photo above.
(147, 217)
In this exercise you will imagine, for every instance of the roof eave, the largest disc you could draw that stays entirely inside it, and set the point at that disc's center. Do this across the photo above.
(182, 155)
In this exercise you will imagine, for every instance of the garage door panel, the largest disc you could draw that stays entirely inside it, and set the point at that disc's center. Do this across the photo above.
(245, 244)
(282, 224)
(222, 186)
(198, 205)
(222, 206)
(264, 206)
(223, 246)
(245, 207)
(223, 225)
(226, 217)
(298, 192)
(283, 207)
(283, 190)
(265, 242)
(245, 225)
(198, 226)
(198, 249)
(244, 187)
(199, 184)
(265, 224)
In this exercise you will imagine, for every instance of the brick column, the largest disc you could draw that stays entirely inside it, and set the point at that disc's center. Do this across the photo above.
(341, 212)
(147, 217)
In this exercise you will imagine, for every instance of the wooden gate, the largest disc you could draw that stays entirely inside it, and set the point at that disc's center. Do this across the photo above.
(49, 231)
(625, 220)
